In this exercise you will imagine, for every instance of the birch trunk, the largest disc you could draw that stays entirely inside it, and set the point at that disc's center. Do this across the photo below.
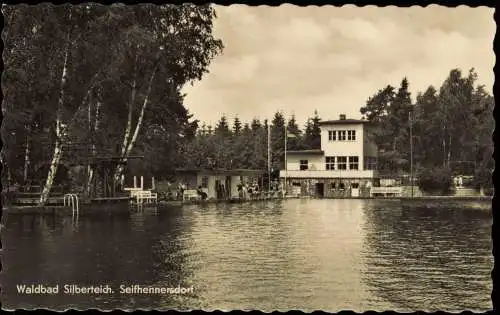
(130, 145)
(89, 166)
(58, 150)
(96, 128)
(128, 128)
(443, 142)
(56, 158)
(27, 152)
(444, 152)
(449, 151)
(90, 176)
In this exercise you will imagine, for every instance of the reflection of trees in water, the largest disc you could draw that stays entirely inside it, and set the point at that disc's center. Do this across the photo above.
(112, 247)
(234, 254)
(428, 258)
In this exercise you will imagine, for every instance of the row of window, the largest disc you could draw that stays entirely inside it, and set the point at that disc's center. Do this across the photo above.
(341, 163)
(341, 135)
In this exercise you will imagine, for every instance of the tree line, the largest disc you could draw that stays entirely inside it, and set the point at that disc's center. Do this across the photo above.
(451, 130)
(245, 144)
(89, 80)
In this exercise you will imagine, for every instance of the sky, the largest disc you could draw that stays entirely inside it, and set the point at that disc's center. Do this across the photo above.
(300, 59)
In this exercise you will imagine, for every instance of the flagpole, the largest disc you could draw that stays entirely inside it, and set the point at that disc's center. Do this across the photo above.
(410, 118)
(269, 155)
(285, 186)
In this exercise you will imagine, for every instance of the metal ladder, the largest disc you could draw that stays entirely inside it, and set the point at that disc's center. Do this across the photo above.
(71, 200)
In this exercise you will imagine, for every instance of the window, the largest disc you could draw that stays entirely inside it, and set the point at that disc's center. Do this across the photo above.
(353, 162)
(332, 135)
(341, 135)
(204, 182)
(330, 163)
(342, 162)
(351, 135)
(370, 163)
(304, 165)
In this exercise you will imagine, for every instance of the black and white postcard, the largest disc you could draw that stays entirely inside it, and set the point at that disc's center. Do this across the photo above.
(187, 157)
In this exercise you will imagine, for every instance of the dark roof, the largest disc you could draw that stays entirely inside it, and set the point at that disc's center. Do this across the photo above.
(313, 151)
(343, 121)
(219, 171)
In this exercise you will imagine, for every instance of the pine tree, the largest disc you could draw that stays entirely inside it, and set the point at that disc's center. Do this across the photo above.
(294, 134)
(222, 127)
(236, 126)
(399, 111)
(308, 135)
(246, 128)
(315, 132)
(255, 125)
(278, 141)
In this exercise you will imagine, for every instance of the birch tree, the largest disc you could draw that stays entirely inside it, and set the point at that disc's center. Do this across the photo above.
(134, 55)
(178, 50)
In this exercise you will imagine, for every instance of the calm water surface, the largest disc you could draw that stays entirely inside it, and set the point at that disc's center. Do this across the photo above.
(295, 254)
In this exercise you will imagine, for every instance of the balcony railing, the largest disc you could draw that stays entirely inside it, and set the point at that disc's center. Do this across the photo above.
(328, 174)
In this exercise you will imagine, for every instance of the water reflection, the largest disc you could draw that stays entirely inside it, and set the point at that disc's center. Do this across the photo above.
(296, 254)
(106, 248)
(430, 259)
(283, 256)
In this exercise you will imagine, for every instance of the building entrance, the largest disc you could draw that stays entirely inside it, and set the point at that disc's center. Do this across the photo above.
(320, 190)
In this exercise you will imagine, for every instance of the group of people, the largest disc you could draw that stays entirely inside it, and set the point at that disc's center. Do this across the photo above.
(246, 190)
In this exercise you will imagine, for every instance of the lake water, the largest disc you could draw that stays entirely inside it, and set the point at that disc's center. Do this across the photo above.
(296, 254)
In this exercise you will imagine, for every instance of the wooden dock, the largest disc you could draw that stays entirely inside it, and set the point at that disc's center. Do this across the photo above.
(118, 199)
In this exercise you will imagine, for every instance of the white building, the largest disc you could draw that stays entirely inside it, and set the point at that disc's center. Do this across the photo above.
(344, 166)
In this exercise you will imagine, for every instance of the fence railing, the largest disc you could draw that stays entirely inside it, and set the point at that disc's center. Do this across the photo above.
(386, 191)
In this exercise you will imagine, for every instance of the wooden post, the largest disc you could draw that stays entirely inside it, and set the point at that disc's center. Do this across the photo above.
(105, 194)
(135, 181)
(153, 183)
(94, 183)
(113, 185)
(142, 182)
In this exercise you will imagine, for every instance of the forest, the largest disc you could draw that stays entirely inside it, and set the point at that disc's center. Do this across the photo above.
(91, 80)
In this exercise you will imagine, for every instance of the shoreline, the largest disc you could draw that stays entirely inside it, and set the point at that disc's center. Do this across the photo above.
(482, 202)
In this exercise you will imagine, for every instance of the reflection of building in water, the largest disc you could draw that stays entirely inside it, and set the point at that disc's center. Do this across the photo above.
(345, 166)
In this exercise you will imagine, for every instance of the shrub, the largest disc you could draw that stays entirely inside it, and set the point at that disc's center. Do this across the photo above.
(436, 180)
(483, 179)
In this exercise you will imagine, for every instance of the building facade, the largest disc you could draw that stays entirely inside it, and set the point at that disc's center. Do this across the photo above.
(218, 183)
(345, 166)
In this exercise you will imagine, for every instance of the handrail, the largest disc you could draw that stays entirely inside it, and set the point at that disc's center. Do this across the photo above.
(144, 195)
(72, 200)
(386, 190)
